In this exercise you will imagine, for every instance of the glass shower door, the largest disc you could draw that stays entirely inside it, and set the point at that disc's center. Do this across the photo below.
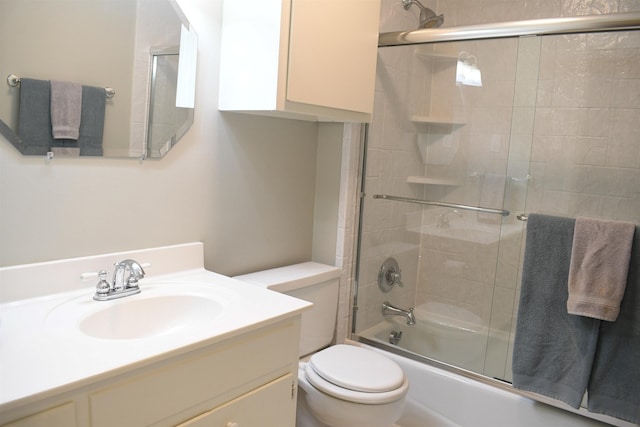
(525, 125)
(441, 134)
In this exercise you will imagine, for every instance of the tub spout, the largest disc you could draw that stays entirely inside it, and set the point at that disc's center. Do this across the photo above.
(388, 309)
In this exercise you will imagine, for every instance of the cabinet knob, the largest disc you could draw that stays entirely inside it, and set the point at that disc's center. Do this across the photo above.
(233, 424)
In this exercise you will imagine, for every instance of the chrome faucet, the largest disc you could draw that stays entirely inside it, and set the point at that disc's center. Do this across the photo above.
(388, 309)
(125, 281)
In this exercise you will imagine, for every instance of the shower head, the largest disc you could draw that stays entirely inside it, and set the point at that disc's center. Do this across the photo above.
(428, 18)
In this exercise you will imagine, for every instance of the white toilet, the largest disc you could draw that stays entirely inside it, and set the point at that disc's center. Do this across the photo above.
(342, 385)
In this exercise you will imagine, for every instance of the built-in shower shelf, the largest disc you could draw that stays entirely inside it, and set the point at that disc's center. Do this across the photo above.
(437, 120)
(432, 181)
(429, 52)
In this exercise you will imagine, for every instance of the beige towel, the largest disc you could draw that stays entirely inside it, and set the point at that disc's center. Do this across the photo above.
(66, 109)
(598, 268)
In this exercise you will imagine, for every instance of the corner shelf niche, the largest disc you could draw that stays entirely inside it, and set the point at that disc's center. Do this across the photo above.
(432, 181)
(436, 120)
(430, 52)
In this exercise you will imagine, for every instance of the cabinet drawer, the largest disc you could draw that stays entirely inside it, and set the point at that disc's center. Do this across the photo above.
(273, 404)
(60, 416)
(212, 376)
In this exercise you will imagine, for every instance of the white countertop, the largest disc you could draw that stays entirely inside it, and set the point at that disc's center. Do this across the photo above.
(40, 357)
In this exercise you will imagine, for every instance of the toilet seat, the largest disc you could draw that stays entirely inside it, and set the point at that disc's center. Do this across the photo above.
(356, 375)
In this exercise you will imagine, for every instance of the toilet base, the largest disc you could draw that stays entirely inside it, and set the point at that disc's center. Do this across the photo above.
(304, 417)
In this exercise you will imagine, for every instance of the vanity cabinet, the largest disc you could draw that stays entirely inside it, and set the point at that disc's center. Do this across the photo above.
(303, 59)
(246, 380)
(266, 406)
(62, 415)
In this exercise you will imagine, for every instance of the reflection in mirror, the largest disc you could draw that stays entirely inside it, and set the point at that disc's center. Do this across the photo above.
(97, 44)
(167, 123)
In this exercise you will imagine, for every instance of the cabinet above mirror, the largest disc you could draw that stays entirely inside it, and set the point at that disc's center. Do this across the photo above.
(142, 49)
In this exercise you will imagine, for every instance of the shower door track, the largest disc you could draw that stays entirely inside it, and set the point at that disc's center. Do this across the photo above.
(533, 27)
(502, 212)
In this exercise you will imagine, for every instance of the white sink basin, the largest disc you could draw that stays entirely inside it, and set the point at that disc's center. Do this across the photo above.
(159, 310)
(149, 317)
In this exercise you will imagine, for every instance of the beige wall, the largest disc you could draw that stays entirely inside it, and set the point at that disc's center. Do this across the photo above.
(327, 187)
(243, 185)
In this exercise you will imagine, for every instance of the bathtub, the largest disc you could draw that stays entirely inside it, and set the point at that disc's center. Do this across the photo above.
(445, 396)
(442, 332)
(442, 396)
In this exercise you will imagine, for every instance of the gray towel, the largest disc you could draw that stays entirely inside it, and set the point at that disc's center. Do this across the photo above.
(614, 387)
(553, 350)
(599, 266)
(66, 106)
(34, 117)
(92, 124)
(65, 151)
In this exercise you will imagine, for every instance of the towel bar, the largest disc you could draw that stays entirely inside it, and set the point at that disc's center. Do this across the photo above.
(443, 204)
(14, 81)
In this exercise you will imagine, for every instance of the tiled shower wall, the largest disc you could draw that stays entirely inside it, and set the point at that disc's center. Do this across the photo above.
(555, 129)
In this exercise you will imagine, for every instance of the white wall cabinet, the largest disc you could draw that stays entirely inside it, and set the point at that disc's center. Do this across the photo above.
(244, 380)
(304, 59)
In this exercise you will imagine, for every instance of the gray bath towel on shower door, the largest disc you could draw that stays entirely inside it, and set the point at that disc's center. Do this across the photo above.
(553, 350)
(614, 388)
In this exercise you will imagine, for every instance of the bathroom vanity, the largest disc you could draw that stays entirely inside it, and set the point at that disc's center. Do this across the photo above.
(194, 348)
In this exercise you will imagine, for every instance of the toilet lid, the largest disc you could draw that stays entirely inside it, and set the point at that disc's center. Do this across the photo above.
(358, 369)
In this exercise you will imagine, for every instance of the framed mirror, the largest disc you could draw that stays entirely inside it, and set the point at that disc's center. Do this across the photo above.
(144, 50)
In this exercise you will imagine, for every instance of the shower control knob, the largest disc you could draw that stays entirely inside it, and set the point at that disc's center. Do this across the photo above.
(389, 275)
(395, 278)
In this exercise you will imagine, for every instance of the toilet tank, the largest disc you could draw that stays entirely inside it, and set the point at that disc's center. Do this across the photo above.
(309, 281)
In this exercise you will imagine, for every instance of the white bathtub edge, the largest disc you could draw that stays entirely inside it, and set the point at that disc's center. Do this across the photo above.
(513, 406)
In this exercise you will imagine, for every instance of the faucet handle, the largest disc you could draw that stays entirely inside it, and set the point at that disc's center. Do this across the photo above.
(396, 278)
(103, 287)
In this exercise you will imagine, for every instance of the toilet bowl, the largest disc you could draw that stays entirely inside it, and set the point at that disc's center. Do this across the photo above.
(340, 385)
(346, 386)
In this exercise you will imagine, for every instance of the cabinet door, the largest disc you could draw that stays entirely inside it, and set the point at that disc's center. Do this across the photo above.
(207, 375)
(333, 52)
(60, 416)
(273, 404)
(302, 59)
